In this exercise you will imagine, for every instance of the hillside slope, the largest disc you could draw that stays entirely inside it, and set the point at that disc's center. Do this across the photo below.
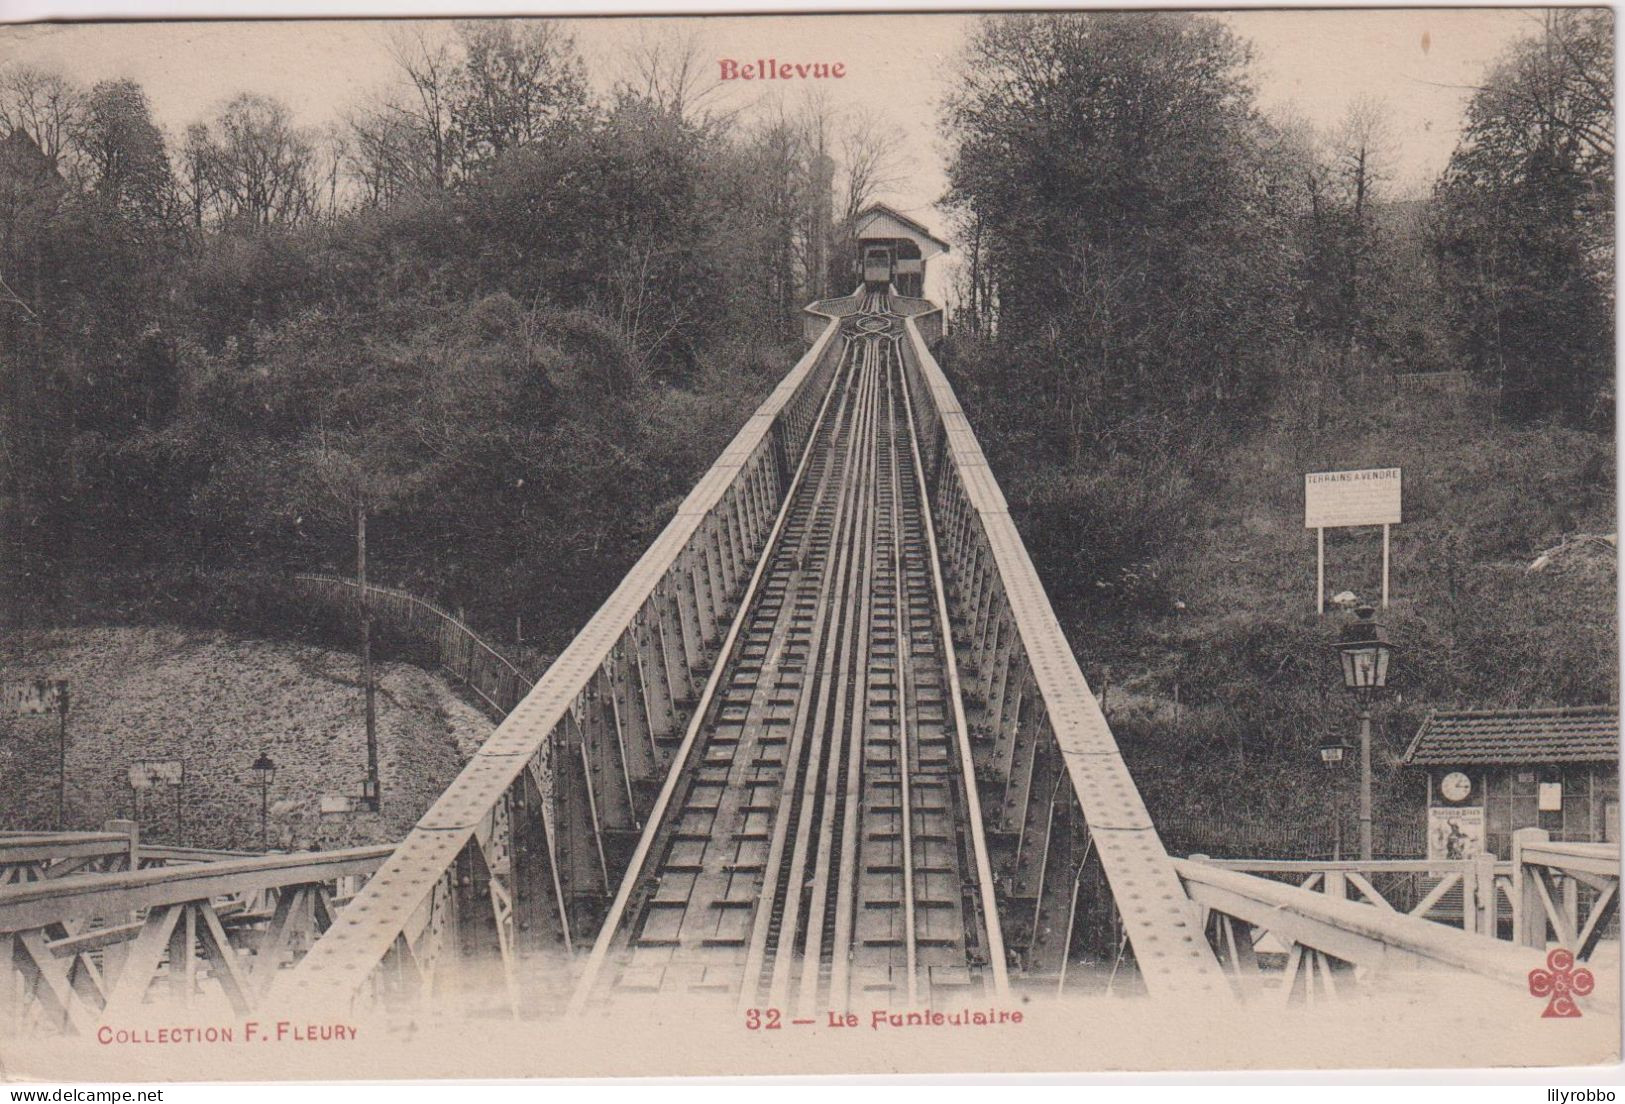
(1503, 594)
(215, 701)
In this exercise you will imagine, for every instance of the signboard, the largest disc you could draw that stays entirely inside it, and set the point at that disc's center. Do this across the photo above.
(1332, 500)
(148, 774)
(1338, 499)
(1455, 833)
(1551, 797)
(332, 804)
(35, 696)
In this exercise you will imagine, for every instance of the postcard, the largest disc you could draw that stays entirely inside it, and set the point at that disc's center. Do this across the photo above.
(1007, 542)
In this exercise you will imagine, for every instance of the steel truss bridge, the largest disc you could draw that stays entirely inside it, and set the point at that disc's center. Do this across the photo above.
(824, 747)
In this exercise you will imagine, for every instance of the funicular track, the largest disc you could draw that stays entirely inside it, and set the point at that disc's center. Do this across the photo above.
(824, 747)
(816, 850)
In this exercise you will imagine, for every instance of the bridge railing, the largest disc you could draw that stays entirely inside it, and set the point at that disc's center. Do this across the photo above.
(1565, 894)
(523, 852)
(1471, 894)
(1334, 943)
(153, 855)
(926, 316)
(44, 856)
(1081, 873)
(1569, 891)
(87, 947)
(38, 856)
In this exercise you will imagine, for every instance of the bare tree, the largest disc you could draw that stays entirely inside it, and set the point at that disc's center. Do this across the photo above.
(776, 153)
(976, 298)
(429, 64)
(1363, 149)
(381, 152)
(670, 66)
(870, 148)
(192, 173)
(403, 139)
(815, 236)
(332, 154)
(869, 152)
(43, 105)
(252, 165)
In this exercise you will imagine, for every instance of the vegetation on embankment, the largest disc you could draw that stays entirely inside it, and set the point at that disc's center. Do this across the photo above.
(1169, 316)
(1226, 607)
(510, 335)
(1200, 591)
(215, 701)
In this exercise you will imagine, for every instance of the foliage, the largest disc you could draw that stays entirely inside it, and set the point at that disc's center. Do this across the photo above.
(512, 335)
(519, 83)
(1257, 688)
(251, 166)
(527, 319)
(1525, 222)
(1111, 162)
(124, 152)
(1173, 308)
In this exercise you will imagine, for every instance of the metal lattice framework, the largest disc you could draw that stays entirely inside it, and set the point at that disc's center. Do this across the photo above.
(527, 848)
(529, 858)
(1057, 788)
(90, 946)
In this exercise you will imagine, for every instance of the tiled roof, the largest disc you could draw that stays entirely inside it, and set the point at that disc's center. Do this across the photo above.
(1577, 734)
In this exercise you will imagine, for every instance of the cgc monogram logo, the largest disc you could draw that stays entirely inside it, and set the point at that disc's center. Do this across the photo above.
(1561, 982)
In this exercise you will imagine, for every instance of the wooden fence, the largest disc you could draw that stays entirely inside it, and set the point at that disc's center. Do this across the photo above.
(457, 648)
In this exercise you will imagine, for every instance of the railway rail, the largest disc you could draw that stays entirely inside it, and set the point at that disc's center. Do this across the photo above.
(824, 748)
(814, 850)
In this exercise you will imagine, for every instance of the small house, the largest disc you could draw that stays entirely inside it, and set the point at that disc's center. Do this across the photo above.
(1492, 772)
(911, 244)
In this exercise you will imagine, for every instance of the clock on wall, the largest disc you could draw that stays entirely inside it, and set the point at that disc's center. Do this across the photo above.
(1455, 786)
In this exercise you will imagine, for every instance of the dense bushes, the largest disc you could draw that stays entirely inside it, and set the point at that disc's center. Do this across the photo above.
(1174, 308)
(510, 368)
(1249, 661)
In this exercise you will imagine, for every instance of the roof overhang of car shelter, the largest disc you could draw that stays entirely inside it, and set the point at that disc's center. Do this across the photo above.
(878, 222)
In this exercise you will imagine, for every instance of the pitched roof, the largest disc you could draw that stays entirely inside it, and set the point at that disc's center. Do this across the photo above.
(882, 209)
(1575, 734)
(20, 153)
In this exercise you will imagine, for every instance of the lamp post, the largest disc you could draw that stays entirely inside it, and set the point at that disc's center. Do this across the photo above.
(1331, 755)
(265, 770)
(370, 795)
(62, 755)
(1365, 651)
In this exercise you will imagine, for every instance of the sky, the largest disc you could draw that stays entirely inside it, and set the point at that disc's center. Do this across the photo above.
(1420, 62)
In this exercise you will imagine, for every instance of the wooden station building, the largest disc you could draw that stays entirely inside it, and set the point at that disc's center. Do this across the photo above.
(912, 245)
(1492, 772)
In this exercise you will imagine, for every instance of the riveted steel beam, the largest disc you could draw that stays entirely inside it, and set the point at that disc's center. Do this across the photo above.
(670, 612)
(1011, 627)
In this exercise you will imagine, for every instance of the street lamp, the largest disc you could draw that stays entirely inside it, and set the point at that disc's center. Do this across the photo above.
(1365, 651)
(1332, 753)
(265, 770)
